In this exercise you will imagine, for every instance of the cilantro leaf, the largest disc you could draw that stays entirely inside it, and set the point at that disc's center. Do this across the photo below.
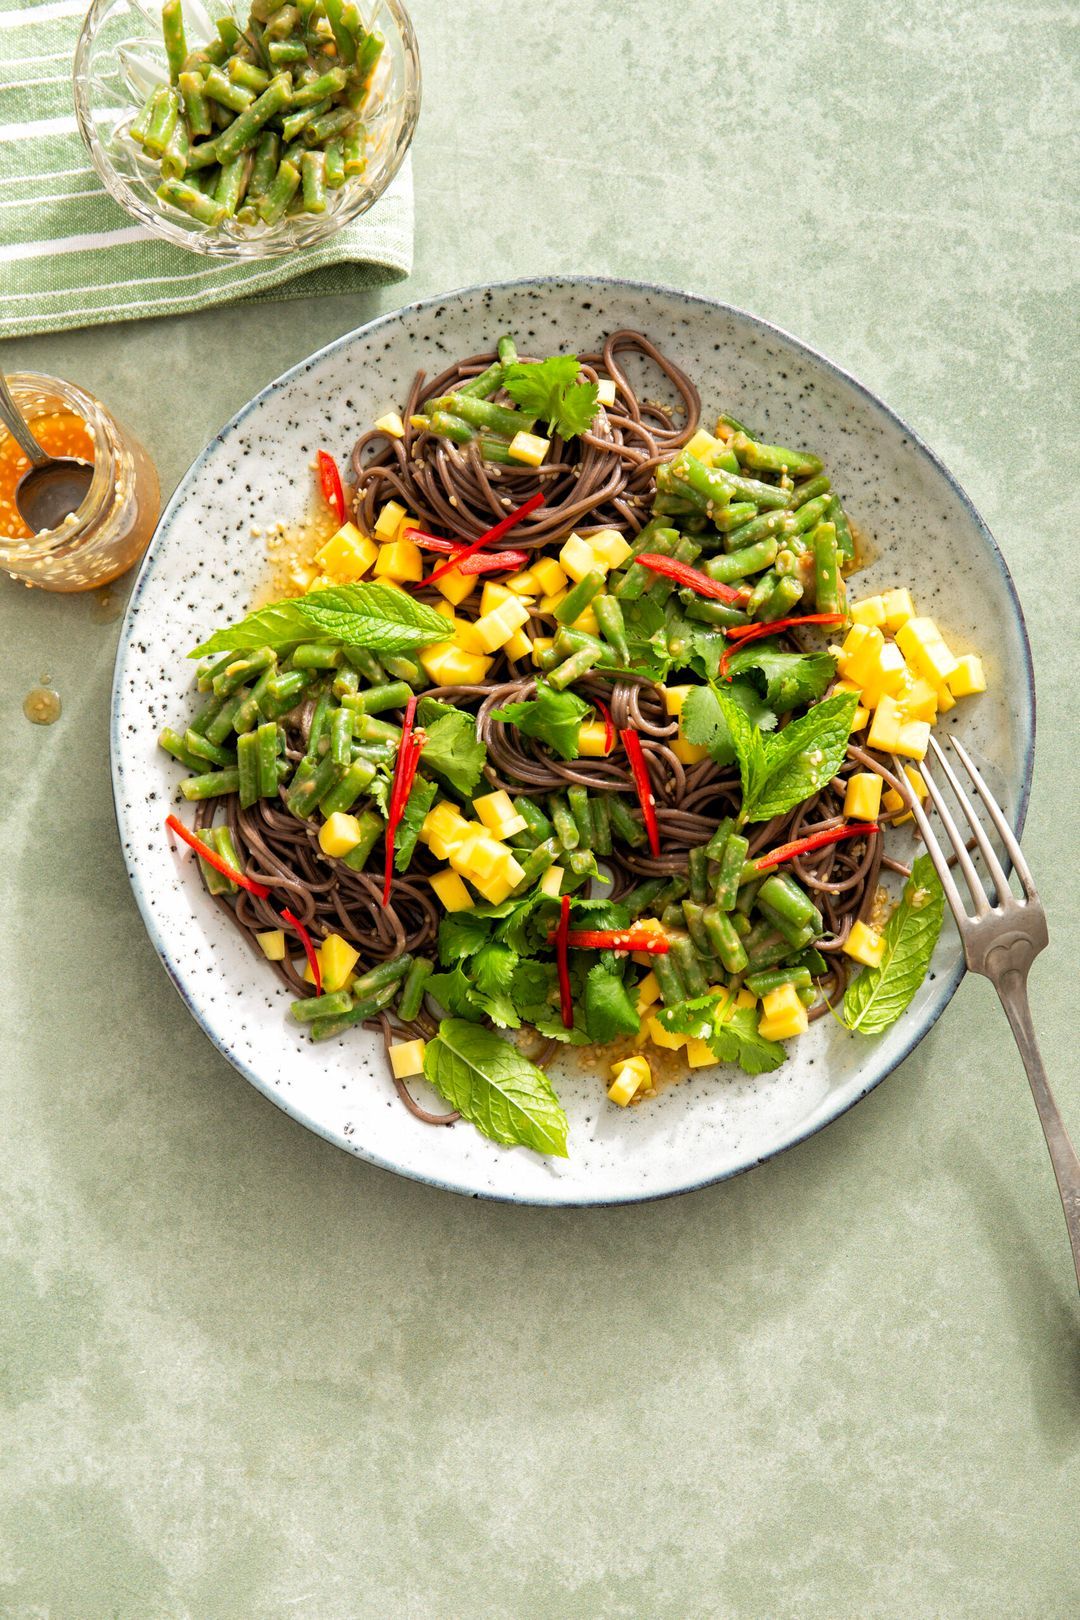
(790, 679)
(551, 717)
(803, 757)
(377, 617)
(461, 934)
(452, 749)
(419, 803)
(879, 995)
(535, 992)
(609, 1008)
(493, 969)
(731, 1035)
(703, 720)
(550, 388)
(462, 998)
(495, 1086)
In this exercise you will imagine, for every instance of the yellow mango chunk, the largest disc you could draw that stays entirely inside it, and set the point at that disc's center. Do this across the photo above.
(339, 833)
(688, 753)
(493, 808)
(648, 992)
(924, 647)
(587, 622)
(899, 608)
(456, 586)
(524, 584)
(446, 664)
(699, 1054)
(519, 645)
(529, 447)
(605, 391)
(548, 575)
(392, 424)
(861, 665)
(347, 555)
(631, 1075)
(407, 1058)
(967, 678)
(704, 446)
(493, 594)
(592, 739)
(540, 646)
(862, 797)
(609, 548)
(660, 1036)
(494, 629)
(272, 944)
(871, 610)
(551, 882)
(548, 604)
(577, 557)
(389, 521)
(451, 892)
(400, 560)
(886, 677)
(865, 945)
(337, 958)
(918, 699)
(785, 1028)
(783, 1002)
(674, 698)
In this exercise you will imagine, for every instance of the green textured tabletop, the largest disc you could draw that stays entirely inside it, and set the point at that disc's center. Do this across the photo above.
(243, 1375)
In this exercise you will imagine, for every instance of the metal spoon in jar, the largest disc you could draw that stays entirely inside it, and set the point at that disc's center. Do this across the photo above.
(53, 486)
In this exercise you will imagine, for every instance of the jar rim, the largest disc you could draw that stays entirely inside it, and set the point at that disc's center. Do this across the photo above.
(104, 431)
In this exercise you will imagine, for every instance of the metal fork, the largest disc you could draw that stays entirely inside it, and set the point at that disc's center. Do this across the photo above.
(1000, 941)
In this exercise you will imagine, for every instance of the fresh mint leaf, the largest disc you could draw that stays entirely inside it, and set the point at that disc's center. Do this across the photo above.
(879, 995)
(550, 388)
(703, 721)
(551, 717)
(377, 617)
(452, 749)
(749, 746)
(420, 802)
(494, 1086)
(789, 680)
(609, 1008)
(803, 757)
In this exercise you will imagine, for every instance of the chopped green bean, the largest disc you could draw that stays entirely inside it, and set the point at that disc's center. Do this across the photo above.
(208, 752)
(371, 829)
(624, 825)
(412, 991)
(313, 177)
(328, 1006)
(174, 744)
(212, 785)
(247, 761)
(283, 189)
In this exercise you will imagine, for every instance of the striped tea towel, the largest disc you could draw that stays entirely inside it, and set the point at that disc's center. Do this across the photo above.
(70, 256)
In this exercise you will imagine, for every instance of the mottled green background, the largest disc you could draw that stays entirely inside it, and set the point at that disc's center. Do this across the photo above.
(245, 1376)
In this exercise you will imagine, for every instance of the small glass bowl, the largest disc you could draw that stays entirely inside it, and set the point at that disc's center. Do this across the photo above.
(120, 59)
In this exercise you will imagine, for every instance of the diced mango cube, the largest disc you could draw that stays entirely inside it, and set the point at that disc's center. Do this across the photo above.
(648, 925)
(302, 577)
(400, 560)
(631, 1075)
(899, 608)
(551, 882)
(529, 447)
(609, 548)
(704, 446)
(661, 1037)
(337, 958)
(524, 584)
(443, 828)
(784, 1027)
(493, 594)
(605, 391)
(699, 1054)
(967, 678)
(888, 718)
(501, 884)
(913, 740)
(892, 802)
(519, 645)
(924, 647)
(592, 739)
(577, 557)
(674, 698)
(781, 1002)
(648, 992)
(871, 610)
(493, 808)
(853, 641)
(886, 677)
(864, 944)
(347, 555)
(446, 664)
(456, 586)
(407, 1058)
(587, 622)
(548, 575)
(272, 944)
(392, 424)
(862, 798)
(689, 753)
(339, 833)
(389, 521)
(548, 604)
(945, 699)
(451, 892)
(918, 786)
(859, 718)
(494, 629)
(861, 665)
(540, 646)
(745, 998)
(918, 699)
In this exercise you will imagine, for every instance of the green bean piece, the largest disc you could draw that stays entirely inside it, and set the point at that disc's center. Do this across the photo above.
(343, 39)
(216, 87)
(315, 90)
(248, 76)
(714, 849)
(235, 674)
(313, 177)
(283, 189)
(845, 540)
(784, 898)
(549, 659)
(141, 122)
(765, 947)
(210, 786)
(325, 1029)
(206, 716)
(346, 684)
(691, 915)
(445, 426)
(749, 885)
(536, 863)
(733, 565)
(796, 935)
(295, 124)
(174, 159)
(485, 383)
(807, 516)
(724, 939)
(609, 616)
(787, 561)
(734, 515)
(174, 744)
(766, 526)
(377, 978)
(179, 194)
(335, 166)
(356, 779)
(245, 130)
(356, 150)
(578, 800)
(203, 156)
(762, 591)
(281, 52)
(381, 753)
(640, 899)
(341, 733)
(568, 641)
(751, 489)
(670, 482)
(388, 695)
(366, 665)
(371, 829)
(247, 761)
(625, 826)
(215, 882)
(565, 825)
(706, 612)
(699, 874)
(573, 669)
(673, 988)
(731, 866)
(412, 991)
(783, 599)
(172, 28)
(328, 1006)
(232, 182)
(366, 728)
(222, 723)
(310, 781)
(637, 579)
(367, 57)
(328, 125)
(539, 829)
(207, 752)
(599, 806)
(828, 584)
(687, 551)
(285, 20)
(579, 596)
(740, 923)
(163, 116)
(266, 738)
(672, 915)
(482, 413)
(264, 165)
(681, 947)
(774, 457)
(710, 484)
(318, 655)
(810, 490)
(775, 978)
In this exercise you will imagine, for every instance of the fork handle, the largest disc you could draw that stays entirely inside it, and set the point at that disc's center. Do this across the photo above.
(1012, 992)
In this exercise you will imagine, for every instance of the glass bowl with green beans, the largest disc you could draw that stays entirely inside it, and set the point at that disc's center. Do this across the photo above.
(250, 130)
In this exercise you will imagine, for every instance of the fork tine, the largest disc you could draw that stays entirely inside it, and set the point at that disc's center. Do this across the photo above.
(957, 840)
(934, 849)
(986, 848)
(997, 816)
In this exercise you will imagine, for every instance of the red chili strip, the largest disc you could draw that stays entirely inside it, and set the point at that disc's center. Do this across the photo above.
(408, 757)
(742, 633)
(490, 536)
(330, 480)
(803, 846)
(309, 950)
(609, 725)
(614, 939)
(691, 577)
(490, 562)
(433, 542)
(636, 755)
(562, 942)
(212, 858)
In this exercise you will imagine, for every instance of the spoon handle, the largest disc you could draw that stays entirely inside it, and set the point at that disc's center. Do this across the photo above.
(15, 422)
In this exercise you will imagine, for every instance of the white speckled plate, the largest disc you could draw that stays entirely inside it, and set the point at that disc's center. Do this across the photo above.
(204, 568)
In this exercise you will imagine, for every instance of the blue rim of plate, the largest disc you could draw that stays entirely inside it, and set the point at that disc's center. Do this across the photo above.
(947, 988)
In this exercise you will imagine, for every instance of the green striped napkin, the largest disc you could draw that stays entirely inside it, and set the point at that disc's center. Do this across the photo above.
(70, 256)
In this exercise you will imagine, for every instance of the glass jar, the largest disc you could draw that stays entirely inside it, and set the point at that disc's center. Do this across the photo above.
(112, 527)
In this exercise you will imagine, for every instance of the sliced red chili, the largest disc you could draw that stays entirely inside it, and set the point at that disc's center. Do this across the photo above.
(433, 542)
(490, 536)
(693, 578)
(562, 941)
(408, 757)
(609, 725)
(212, 858)
(742, 633)
(309, 950)
(491, 562)
(330, 481)
(803, 846)
(640, 771)
(614, 939)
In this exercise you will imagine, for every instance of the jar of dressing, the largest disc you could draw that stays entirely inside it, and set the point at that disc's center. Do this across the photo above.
(112, 527)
